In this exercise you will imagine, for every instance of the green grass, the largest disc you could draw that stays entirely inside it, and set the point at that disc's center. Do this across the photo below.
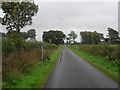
(100, 63)
(114, 45)
(38, 75)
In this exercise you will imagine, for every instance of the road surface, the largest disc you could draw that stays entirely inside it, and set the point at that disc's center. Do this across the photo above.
(71, 71)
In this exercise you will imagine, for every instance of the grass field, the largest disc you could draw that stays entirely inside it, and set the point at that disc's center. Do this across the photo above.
(100, 63)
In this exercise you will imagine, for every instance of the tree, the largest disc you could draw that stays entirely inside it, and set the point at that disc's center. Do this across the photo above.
(18, 14)
(72, 36)
(31, 34)
(68, 39)
(91, 37)
(24, 35)
(112, 34)
(56, 37)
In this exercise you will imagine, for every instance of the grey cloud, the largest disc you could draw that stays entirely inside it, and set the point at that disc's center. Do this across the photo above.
(77, 16)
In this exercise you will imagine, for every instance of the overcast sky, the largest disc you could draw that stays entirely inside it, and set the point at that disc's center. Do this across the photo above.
(75, 16)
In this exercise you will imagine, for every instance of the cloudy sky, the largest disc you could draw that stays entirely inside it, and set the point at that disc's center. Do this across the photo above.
(75, 16)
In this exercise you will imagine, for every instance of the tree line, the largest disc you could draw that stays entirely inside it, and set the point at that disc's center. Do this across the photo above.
(87, 37)
(19, 14)
(95, 37)
(30, 34)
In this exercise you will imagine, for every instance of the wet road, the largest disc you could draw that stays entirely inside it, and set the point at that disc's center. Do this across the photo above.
(71, 71)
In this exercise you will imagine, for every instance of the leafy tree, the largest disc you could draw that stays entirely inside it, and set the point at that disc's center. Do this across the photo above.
(68, 39)
(56, 37)
(18, 14)
(24, 35)
(112, 34)
(72, 36)
(31, 34)
(91, 37)
(14, 39)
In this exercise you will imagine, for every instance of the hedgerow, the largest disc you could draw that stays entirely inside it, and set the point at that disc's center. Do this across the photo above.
(111, 53)
(19, 56)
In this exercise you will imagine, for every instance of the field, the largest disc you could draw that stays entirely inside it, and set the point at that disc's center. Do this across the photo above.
(23, 67)
(104, 57)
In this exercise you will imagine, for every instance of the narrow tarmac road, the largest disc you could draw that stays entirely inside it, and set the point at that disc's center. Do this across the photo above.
(71, 71)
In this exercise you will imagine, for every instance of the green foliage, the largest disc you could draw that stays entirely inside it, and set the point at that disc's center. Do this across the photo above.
(36, 76)
(55, 37)
(18, 14)
(112, 34)
(72, 36)
(109, 52)
(19, 56)
(49, 46)
(29, 34)
(68, 39)
(11, 77)
(28, 45)
(14, 41)
(91, 37)
(24, 35)
(32, 34)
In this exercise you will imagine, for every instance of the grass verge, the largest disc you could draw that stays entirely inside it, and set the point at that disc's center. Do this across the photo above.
(100, 63)
(38, 75)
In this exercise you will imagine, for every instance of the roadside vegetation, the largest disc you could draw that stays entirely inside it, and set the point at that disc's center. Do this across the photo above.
(103, 56)
(22, 63)
(25, 68)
